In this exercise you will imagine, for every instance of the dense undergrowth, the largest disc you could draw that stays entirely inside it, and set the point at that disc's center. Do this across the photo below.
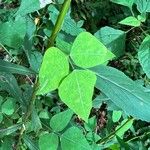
(74, 75)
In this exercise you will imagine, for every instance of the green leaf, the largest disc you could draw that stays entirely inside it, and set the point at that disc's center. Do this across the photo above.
(10, 130)
(126, 94)
(90, 126)
(30, 143)
(9, 84)
(12, 33)
(1, 117)
(36, 123)
(127, 3)
(43, 3)
(144, 55)
(87, 51)
(64, 116)
(142, 17)
(8, 107)
(54, 67)
(116, 115)
(76, 91)
(97, 102)
(28, 40)
(123, 127)
(48, 141)
(113, 39)
(14, 68)
(123, 144)
(7, 143)
(1, 100)
(63, 45)
(131, 21)
(143, 6)
(73, 138)
(44, 114)
(70, 26)
(36, 60)
(28, 6)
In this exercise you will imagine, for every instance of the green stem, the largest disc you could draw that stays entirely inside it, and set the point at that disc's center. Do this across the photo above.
(143, 31)
(56, 29)
(138, 137)
(59, 22)
(111, 135)
(132, 12)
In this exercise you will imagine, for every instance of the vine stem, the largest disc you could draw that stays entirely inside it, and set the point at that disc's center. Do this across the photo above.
(52, 38)
(111, 135)
(59, 22)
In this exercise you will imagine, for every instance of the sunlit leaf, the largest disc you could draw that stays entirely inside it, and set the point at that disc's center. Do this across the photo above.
(54, 67)
(87, 51)
(131, 21)
(76, 91)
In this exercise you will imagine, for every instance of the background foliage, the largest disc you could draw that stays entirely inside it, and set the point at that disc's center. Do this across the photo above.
(82, 85)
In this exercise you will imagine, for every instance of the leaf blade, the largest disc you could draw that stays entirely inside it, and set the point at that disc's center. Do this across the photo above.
(64, 116)
(74, 138)
(48, 141)
(49, 78)
(89, 53)
(14, 68)
(131, 21)
(80, 85)
(144, 55)
(125, 93)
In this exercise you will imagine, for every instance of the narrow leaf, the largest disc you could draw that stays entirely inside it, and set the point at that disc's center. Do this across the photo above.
(126, 94)
(14, 68)
(10, 130)
(123, 127)
(30, 143)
